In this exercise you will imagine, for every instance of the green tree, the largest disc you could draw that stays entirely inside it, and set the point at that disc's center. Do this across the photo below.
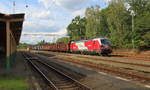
(119, 24)
(76, 30)
(93, 21)
(103, 27)
(63, 40)
(141, 8)
(23, 45)
(41, 42)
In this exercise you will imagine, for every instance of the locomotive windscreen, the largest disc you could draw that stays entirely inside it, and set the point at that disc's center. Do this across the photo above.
(105, 42)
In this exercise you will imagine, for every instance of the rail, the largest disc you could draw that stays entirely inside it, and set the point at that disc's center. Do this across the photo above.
(29, 58)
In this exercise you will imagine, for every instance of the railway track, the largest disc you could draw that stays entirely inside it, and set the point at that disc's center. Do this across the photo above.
(104, 60)
(135, 64)
(123, 56)
(55, 79)
(112, 70)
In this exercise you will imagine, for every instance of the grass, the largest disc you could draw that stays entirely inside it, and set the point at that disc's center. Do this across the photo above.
(13, 83)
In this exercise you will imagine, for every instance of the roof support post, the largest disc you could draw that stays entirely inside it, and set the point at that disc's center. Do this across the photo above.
(8, 51)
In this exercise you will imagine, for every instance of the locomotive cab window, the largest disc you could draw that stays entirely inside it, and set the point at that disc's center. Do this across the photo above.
(105, 42)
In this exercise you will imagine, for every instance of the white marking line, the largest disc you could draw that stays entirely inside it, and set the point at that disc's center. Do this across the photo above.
(102, 73)
(115, 77)
(122, 78)
(147, 86)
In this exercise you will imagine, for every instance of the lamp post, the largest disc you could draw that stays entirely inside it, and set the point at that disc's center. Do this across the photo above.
(133, 14)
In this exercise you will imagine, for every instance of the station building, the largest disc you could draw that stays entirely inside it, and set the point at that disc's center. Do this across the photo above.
(10, 32)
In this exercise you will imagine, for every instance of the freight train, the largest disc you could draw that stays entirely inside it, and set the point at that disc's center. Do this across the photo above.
(100, 46)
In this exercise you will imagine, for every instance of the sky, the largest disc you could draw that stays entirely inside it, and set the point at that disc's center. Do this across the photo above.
(47, 16)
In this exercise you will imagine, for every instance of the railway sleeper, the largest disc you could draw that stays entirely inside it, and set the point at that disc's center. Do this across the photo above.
(73, 86)
(67, 86)
(72, 89)
(59, 82)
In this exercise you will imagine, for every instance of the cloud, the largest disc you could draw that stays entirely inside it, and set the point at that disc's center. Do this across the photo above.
(60, 32)
(45, 21)
(107, 1)
(39, 25)
(70, 5)
(4, 9)
(34, 37)
(80, 12)
(42, 15)
(46, 3)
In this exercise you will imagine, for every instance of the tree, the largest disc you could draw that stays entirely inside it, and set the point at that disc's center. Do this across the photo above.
(141, 9)
(119, 24)
(139, 6)
(93, 21)
(76, 30)
(63, 40)
(23, 45)
(103, 27)
(41, 42)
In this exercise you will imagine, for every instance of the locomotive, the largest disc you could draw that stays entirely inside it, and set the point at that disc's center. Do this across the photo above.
(100, 46)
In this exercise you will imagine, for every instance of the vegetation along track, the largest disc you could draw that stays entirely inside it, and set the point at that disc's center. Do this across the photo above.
(54, 78)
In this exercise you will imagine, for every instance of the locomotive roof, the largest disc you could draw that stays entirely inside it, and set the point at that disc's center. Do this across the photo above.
(81, 40)
(98, 38)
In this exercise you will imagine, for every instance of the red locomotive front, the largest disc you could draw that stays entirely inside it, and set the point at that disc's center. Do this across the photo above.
(100, 46)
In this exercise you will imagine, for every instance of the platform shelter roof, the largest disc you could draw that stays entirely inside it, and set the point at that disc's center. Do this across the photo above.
(16, 24)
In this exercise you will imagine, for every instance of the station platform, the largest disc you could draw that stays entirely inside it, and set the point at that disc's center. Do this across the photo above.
(17, 66)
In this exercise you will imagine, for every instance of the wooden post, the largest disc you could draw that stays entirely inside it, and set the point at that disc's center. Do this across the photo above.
(8, 46)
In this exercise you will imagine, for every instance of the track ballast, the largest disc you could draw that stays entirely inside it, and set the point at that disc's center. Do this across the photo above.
(55, 79)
